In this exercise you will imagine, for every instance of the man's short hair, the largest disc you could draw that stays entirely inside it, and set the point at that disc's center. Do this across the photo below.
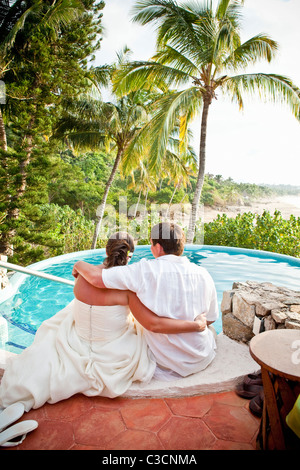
(170, 236)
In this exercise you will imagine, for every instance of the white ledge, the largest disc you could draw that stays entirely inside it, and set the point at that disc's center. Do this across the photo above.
(231, 363)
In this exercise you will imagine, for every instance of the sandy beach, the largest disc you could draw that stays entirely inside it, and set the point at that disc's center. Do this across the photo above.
(287, 205)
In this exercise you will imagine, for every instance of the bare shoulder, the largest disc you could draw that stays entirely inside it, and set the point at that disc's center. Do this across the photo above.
(91, 295)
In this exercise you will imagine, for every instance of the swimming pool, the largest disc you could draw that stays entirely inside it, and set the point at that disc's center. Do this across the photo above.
(35, 299)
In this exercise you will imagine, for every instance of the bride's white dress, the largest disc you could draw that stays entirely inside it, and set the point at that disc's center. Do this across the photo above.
(85, 349)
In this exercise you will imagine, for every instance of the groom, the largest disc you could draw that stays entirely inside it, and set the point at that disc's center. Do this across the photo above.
(170, 286)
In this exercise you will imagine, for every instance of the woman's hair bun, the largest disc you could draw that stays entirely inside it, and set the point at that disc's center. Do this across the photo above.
(117, 248)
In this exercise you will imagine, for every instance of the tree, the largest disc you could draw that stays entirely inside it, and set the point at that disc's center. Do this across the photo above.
(199, 51)
(47, 49)
(91, 124)
(141, 180)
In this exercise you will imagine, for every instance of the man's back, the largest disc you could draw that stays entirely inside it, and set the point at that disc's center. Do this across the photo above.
(172, 286)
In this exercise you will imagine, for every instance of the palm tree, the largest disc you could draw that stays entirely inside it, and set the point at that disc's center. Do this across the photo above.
(141, 181)
(91, 124)
(199, 51)
(179, 162)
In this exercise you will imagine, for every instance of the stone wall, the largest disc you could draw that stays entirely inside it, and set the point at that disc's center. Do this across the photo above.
(251, 307)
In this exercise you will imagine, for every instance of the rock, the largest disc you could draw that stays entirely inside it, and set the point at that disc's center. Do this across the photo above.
(235, 329)
(292, 325)
(291, 300)
(242, 310)
(247, 303)
(226, 305)
(279, 315)
(295, 308)
(269, 323)
(293, 316)
(265, 307)
(251, 298)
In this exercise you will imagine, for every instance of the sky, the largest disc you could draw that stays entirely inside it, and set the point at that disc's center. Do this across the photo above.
(260, 144)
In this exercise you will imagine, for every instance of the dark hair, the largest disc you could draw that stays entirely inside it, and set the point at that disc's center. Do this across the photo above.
(118, 247)
(170, 236)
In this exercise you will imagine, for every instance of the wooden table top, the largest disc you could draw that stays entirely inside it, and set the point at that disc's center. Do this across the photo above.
(278, 351)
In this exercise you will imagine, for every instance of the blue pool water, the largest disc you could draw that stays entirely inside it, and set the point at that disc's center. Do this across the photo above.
(37, 299)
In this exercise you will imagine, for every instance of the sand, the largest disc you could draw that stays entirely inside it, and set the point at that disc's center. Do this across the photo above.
(287, 205)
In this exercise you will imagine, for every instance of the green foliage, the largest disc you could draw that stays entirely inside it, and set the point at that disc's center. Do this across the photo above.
(68, 228)
(49, 47)
(220, 192)
(260, 232)
(49, 196)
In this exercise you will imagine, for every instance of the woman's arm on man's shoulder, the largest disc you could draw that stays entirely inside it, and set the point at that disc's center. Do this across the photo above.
(152, 322)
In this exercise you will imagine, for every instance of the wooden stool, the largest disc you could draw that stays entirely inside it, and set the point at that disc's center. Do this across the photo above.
(278, 354)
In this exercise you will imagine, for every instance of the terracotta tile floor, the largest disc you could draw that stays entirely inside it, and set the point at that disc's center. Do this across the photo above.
(219, 421)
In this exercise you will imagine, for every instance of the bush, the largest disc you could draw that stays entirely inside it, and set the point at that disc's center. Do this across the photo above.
(260, 232)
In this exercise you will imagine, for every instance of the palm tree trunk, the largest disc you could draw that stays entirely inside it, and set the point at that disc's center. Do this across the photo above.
(137, 204)
(101, 207)
(172, 197)
(146, 197)
(201, 171)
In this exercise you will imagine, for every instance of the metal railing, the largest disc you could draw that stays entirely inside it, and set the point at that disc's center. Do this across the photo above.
(31, 272)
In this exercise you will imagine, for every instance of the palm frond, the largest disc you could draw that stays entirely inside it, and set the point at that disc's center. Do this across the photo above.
(258, 47)
(175, 23)
(186, 102)
(101, 75)
(277, 88)
(146, 75)
(62, 12)
(85, 141)
(10, 35)
(229, 9)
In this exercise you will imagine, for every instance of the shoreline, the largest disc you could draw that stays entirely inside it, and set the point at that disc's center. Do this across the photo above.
(287, 205)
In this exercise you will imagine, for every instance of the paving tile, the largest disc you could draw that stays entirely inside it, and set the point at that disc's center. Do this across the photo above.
(192, 406)
(98, 427)
(68, 409)
(230, 445)
(109, 403)
(230, 398)
(217, 421)
(233, 423)
(147, 414)
(135, 440)
(181, 433)
(50, 435)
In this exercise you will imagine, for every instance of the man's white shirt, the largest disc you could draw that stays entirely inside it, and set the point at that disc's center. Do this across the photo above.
(172, 286)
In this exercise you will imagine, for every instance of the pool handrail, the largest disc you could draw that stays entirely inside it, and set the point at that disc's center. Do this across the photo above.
(31, 272)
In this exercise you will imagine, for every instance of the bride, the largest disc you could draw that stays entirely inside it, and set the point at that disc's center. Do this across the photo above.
(94, 346)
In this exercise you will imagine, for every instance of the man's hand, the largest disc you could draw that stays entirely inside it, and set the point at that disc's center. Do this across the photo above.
(90, 272)
(201, 321)
(75, 273)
